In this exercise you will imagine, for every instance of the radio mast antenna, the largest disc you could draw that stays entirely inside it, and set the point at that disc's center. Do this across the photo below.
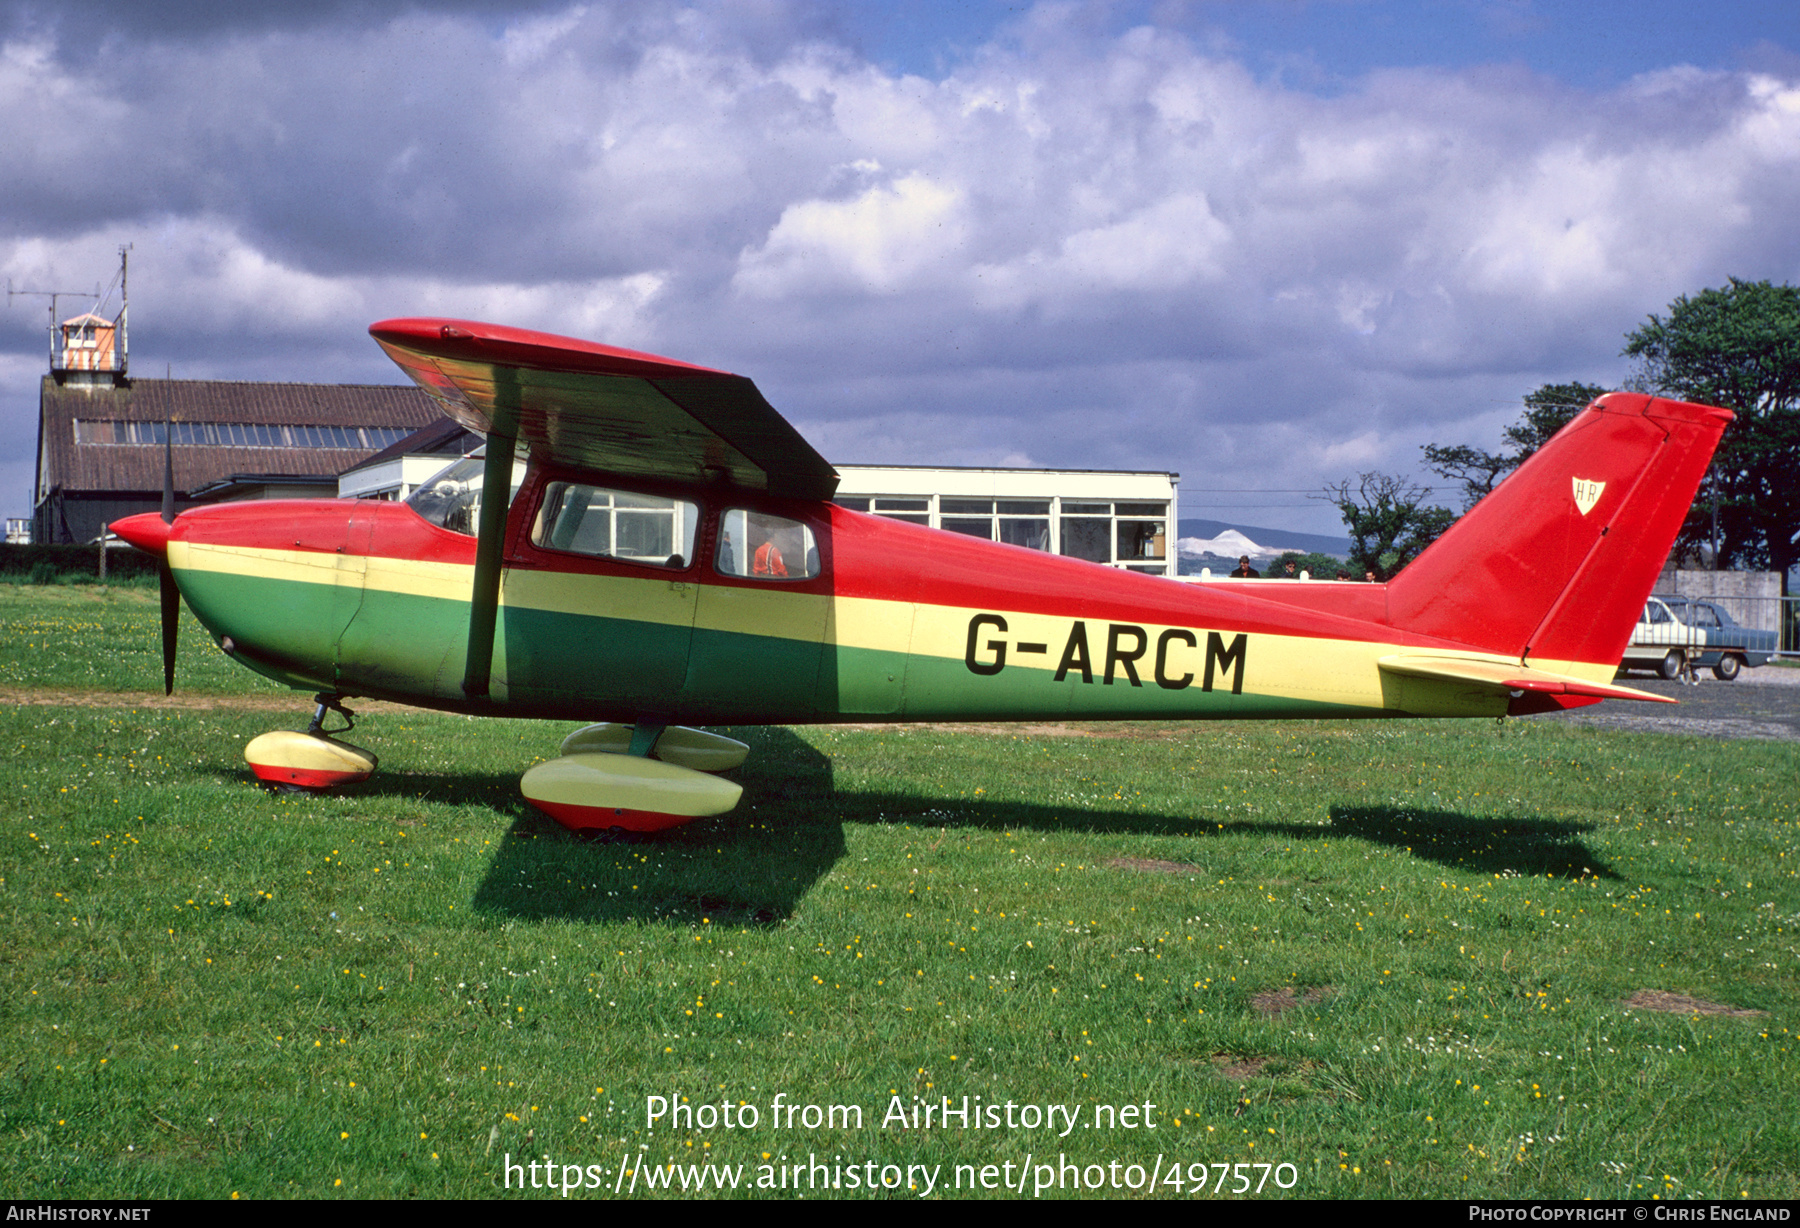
(52, 295)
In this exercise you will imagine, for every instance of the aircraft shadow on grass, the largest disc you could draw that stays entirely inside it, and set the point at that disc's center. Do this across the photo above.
(754, 866)
(1525, 847)
(736, 872)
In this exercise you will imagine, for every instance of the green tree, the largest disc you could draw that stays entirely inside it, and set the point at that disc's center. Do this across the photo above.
(1318, 566)
(1738, 347)
(1389, 521)
(1547, 411)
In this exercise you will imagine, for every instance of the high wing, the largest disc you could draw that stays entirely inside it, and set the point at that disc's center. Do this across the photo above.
(595, 407)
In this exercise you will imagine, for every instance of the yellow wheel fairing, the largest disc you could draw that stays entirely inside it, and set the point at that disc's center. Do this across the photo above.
(600, 791)
(309, 760)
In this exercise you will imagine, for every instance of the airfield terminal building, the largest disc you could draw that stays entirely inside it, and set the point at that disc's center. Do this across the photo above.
(102, 433)
(1104, 516)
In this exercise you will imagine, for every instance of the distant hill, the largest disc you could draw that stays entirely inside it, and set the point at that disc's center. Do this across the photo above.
(1267, 537)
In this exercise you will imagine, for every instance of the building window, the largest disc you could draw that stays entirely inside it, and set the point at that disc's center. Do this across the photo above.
(1017, 522)
(1087, 531)
(1127, 533)
(970, 517)
(239, 434)
(913, 511)
(1141, 541)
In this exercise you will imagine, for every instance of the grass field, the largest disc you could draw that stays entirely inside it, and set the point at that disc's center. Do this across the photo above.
(1460, 959)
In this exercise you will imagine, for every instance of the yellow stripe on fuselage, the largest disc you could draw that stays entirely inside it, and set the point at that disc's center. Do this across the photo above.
(1331, 671)
(298, 566)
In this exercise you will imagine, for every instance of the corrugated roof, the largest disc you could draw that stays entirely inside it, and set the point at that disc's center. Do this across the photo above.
(139, 467)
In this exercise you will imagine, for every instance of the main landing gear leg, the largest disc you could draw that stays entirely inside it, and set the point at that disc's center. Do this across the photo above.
(636, 778)
(313, 759)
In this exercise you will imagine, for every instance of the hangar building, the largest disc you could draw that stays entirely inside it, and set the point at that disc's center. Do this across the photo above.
(101, 435)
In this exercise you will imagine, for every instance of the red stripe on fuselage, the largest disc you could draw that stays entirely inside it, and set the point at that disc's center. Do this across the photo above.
(891, 560)
(325, 526)
(863, 556)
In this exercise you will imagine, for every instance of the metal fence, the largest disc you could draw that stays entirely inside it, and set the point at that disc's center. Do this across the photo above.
(1777, 614)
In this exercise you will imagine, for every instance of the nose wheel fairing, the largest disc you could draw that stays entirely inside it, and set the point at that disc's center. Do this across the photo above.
(312, 759)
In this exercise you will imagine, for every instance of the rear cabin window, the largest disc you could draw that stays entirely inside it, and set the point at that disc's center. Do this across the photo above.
(762, 547)
(616, 524)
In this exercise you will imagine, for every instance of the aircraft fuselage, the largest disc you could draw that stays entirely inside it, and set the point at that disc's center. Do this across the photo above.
(898, 623)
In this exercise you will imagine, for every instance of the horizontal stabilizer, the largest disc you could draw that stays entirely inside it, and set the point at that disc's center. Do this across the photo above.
(1509, 676)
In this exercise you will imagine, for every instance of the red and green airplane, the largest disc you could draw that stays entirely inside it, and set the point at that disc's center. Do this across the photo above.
(672, 558)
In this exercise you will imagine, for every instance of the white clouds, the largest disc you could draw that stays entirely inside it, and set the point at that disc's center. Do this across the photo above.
(1095, 250)
(206, 274)
(1359, 452)
(887, 237)
(527, 41)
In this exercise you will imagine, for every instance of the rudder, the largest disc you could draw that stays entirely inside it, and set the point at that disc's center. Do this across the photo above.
(1553, 567)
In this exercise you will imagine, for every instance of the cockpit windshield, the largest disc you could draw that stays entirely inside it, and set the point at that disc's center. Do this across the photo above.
(451, 498)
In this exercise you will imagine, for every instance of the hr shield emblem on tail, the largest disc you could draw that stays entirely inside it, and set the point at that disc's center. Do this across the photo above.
(1587, 494)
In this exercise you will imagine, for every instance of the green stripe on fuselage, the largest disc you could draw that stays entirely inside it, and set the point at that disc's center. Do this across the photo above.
(407, 647)
(939, 688)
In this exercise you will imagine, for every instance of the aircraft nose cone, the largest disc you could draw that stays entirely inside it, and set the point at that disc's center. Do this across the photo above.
(147, 531)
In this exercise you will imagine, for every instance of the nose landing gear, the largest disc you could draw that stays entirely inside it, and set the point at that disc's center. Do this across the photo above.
(313, 759)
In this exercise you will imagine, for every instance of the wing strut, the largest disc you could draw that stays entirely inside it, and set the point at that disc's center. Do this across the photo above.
(490, 542)
(165, 575)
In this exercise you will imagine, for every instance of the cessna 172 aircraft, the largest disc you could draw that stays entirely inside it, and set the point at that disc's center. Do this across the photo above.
(672, 558)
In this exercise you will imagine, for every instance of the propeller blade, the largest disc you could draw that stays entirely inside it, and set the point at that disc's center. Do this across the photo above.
(168, 503)
(171, 611)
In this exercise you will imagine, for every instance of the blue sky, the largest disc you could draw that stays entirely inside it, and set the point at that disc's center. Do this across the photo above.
(1326, 45)
(1268, 245)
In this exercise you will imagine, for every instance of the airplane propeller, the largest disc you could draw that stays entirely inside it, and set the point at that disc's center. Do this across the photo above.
(171, 596)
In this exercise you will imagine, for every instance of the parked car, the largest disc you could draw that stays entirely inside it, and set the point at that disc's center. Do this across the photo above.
(1678, 630)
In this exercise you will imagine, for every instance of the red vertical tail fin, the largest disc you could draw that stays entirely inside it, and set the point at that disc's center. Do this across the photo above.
(1555, 564)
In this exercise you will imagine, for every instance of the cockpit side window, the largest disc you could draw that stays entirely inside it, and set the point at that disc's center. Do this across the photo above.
(758, 546)
(616, 524)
